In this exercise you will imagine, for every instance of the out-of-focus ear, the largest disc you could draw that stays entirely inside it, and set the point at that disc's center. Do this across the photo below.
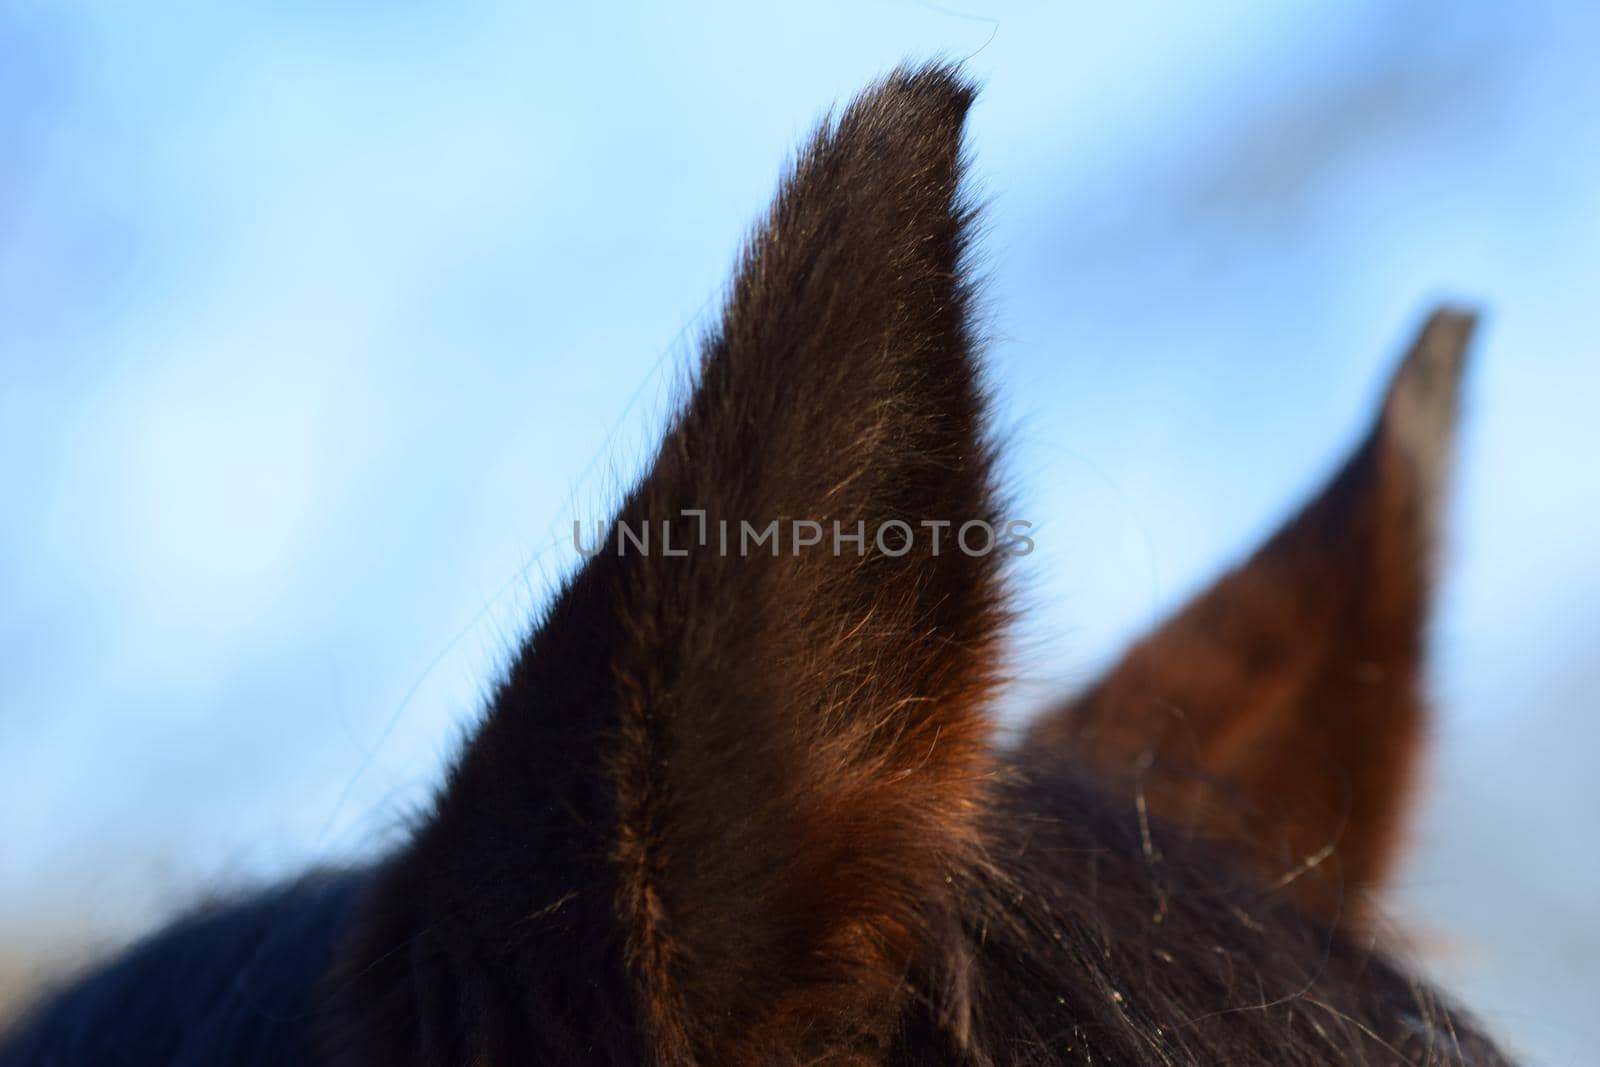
(719, 798)
(1281, 709)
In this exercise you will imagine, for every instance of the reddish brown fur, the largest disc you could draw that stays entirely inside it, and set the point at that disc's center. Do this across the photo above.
(1282, 707)
(788, 913)
(742, 810)
(785, 757)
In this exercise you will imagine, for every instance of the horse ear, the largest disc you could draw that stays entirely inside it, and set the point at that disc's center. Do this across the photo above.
(730, 773)
(1282, 708)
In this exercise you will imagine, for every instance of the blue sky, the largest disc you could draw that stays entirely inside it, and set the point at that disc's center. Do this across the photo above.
(319, 324)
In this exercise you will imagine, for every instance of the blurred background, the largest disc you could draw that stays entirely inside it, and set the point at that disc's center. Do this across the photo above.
(319, 323)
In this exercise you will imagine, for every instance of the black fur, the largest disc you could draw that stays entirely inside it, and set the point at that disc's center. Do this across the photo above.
(232, 984)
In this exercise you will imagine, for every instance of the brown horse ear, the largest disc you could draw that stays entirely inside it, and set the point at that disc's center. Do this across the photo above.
(1281, 710)
(801, 739)
(733, 769)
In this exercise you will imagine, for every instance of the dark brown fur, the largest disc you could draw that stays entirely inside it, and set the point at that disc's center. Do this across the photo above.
(1281, 710)
(730, 809)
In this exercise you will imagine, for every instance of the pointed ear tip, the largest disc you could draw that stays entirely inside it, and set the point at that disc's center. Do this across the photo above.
(934, 91)
(1456, 312)
(941, 76)
(1433, 368)
(1447, 336)
(1420, 412)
